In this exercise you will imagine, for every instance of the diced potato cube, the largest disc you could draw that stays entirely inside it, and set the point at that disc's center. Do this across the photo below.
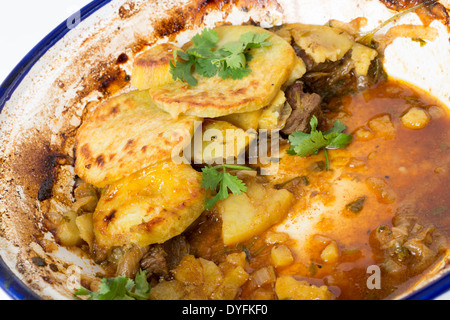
(237, 259)
(415, 118)
(168, 290)
(288, 288)
(212, 276)
(383, 127)
(276, 237)
(362, 57)
(331, 253)
(234, 279)
(363, 134)
(381, 190)
(248, 214)
(281, 256)
(189, 271)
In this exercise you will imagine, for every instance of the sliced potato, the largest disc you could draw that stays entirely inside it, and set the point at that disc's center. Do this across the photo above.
(249, 214)
(214, 97)
(275, 115)
(126, 134)
(150, 206)
(152, 67)
(281, 256)
(322, 43)
(221, 142)
(297, 72)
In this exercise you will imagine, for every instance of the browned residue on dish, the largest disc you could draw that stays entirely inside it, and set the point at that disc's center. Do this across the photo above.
(433, 11)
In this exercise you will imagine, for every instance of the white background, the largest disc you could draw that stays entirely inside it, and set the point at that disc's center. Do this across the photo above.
(23, 23)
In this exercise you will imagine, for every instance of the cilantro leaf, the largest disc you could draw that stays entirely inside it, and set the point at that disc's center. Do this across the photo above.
(182, 70)
(217, 178)
(119, 288)
(204, 58)
(305, 144)
(208, 38)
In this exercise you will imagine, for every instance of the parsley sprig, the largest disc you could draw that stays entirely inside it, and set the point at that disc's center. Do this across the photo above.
(305, 144)
(206, 59)
(120, 288)
(218, 179)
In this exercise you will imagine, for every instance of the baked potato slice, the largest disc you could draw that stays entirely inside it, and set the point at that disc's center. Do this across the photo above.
(214, 97)
(125, 134)
(246, 120)
(322, 43)
(221, 142)
(152, 67)
(274, 116)
(150, 206)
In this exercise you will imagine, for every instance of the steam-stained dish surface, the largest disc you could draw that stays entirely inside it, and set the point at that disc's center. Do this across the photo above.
(233, 268)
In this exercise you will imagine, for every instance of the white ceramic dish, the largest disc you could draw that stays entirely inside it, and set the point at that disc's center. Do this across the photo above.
(42, 102)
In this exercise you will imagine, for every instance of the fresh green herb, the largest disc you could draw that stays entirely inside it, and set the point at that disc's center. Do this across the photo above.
(420, 41)
(120, 288)
(439, 210)
(367, 39)
(312, 268)
(357, 205)
(217, 178)
(305, 144)
(207, 60)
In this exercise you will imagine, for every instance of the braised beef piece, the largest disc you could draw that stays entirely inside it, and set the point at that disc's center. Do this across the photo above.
(154, 262)
(161, 258)
(304, 107)
(176, 248)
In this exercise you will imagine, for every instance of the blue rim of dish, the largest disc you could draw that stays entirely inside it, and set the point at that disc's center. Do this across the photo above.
(10, 283)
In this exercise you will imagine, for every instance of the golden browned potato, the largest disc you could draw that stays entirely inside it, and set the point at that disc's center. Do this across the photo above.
(150, 206)
(322, 43)
(362, 57)
(152, 67)
(274, 116)
(288, 288)
(126, 134)
(246, 120)
(248, 214)
(214, 97)
(222, 141)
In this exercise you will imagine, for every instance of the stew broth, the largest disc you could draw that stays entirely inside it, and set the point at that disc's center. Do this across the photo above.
(387, 166)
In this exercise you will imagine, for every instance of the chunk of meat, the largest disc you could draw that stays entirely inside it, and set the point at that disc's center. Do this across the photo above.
(154, 262)
(128, 264)
(176, 249)
(161, 258)
(304, 107)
